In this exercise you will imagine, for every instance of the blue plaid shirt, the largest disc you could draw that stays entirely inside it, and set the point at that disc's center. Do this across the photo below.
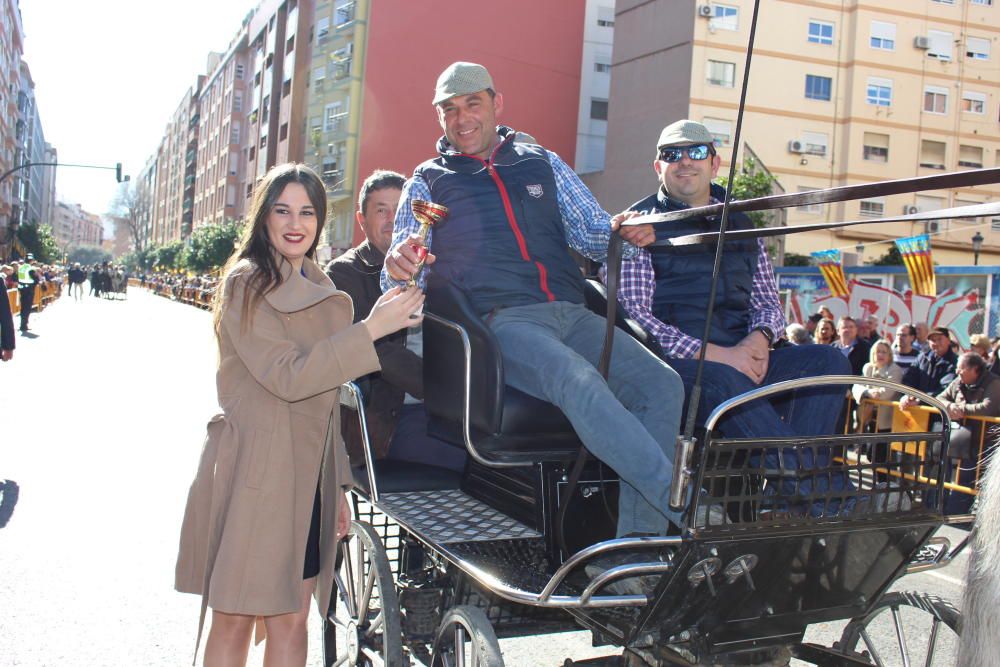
(587, 225)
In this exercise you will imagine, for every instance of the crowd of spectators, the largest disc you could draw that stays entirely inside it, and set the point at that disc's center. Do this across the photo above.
(197, 290)
(928, 359)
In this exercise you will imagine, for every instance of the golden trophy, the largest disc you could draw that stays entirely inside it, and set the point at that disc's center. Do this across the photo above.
(427, 214)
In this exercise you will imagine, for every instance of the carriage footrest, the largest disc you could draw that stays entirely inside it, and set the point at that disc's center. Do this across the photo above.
(450, 516)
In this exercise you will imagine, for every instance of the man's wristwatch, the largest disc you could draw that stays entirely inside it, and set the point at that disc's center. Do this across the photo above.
(768, 334)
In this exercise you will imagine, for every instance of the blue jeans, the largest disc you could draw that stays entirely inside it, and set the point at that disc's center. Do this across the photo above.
(810, 411)
(551, 350)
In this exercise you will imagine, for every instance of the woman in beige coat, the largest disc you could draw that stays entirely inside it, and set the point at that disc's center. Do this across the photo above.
(267, 505)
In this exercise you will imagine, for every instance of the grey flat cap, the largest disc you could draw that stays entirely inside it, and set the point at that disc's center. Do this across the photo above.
(684, 133)
(461, 79)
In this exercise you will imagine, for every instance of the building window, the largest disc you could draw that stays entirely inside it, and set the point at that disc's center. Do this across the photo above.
(725, 17)
(283, 132)
(977, 48)
(970, 156)
(322, 27)
(935, 99)
(820, 32)
(818, 87)
(879, 92)
(342, 61)
(286, 88)
(986, 3)
(883, 36)
(598, 109)
(344, 12)
(872, 207)
(721, 73)
(234, 133)
(973, 102)
(815, 143)
(239, 71)
(234, 163)
(238, 101)
(944, 2)
(603, 68)
(606, 17)
(721, 130)
(940, 44)
(876, 147)
(319, 74)
(932, 154)
(332, 117)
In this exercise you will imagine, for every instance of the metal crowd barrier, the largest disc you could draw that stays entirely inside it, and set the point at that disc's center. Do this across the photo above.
(194, 296)
(46, 294)
(916, 419)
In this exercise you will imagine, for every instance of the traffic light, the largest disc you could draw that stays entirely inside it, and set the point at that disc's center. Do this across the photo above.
(118, 172)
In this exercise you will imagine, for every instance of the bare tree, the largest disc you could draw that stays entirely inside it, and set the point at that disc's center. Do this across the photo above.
(130, 209)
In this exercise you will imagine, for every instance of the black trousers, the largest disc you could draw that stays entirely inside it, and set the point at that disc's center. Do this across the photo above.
(27, 302)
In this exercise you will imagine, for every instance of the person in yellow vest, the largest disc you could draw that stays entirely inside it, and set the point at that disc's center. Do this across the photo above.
(27, 279)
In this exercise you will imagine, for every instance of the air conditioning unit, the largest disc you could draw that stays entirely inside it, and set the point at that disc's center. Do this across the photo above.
(910, 209)
(705, 11)
(921, 42)
(933, 226)
(796, 146)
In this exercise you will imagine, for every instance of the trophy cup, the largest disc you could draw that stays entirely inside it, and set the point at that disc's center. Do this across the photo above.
(427, 214)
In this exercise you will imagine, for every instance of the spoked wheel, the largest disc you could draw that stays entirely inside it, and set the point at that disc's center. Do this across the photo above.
(906, 629)
(465, 638)
(366, 623)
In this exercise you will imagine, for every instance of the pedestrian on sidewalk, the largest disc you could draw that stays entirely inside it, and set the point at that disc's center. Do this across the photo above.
(268, 505)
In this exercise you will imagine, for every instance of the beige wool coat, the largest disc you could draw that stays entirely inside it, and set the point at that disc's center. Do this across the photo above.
(243, 538)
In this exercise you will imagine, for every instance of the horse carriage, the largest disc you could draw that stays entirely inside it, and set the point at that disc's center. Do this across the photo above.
(437, 566)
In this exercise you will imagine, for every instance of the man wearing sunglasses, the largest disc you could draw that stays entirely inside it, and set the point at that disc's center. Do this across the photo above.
(666, 289)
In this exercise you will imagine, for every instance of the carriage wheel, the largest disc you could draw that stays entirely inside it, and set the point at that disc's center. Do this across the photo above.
(366, 621)
(465, 638)
(906, 628)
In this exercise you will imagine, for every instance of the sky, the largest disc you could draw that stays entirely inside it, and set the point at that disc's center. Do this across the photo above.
(109, 74)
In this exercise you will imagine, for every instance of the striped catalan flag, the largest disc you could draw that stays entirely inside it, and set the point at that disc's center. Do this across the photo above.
(831, 265)
(916, 254)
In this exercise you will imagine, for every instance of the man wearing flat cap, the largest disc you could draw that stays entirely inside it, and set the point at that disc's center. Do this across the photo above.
(666, 290)
(513, 209)
(934, 368)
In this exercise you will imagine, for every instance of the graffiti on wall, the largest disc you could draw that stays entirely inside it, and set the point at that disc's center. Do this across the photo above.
(959, 305)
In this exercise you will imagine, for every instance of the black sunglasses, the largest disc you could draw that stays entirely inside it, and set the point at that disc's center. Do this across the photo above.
(674, 154)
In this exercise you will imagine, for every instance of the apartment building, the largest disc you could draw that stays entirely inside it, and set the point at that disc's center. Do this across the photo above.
(72, 226)
(218, 195)
(373, 73)
(278, 34)
(177, 155)
(34, 187)
(11, 48)
(595, 85)
(839, 93)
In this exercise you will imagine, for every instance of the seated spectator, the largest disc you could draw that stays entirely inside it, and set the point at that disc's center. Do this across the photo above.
(798, 334)
(934, 369)
(881, 365)
(980, 344)
(826, 332)
(902, 348)
(852, 347)
(397, 422)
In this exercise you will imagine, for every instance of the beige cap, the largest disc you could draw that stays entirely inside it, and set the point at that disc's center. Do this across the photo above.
(461, 79)
(684, 133)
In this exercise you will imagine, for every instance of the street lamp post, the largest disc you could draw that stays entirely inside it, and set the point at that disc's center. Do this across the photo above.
(977, 245)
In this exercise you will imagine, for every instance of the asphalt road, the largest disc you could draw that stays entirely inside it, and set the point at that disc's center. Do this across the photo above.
(103, 423)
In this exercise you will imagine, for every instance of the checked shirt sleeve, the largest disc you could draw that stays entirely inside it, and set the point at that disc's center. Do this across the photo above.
(405, 225)
(765, 308)
(635, 294)
(588, 226)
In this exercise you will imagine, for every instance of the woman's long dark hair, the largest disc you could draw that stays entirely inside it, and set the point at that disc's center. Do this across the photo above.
(264, 272)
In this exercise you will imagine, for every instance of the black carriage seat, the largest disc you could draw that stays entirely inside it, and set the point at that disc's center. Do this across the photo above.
(506, 426)
(595, 295)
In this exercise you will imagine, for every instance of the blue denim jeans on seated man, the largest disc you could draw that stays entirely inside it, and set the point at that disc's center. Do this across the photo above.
(551, 350)
(810, 411)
